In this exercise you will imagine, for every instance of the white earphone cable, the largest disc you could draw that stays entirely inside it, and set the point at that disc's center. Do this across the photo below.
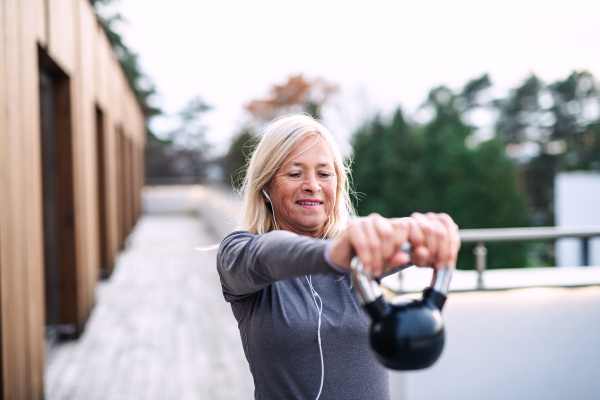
(320, 311)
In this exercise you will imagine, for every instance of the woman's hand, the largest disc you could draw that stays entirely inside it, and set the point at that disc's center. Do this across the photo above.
(376, 240)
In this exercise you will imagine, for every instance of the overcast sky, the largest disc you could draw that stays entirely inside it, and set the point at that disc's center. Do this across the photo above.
(382, 54)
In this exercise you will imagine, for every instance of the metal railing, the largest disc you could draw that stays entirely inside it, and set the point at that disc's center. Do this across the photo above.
(482, 236)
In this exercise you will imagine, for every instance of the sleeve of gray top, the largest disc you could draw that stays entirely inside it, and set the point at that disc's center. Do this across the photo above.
(248, 263)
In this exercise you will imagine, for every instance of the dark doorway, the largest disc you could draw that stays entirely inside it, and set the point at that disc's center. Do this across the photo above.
(50, 207)
(105, 262)
(124, 183)
(60, 274)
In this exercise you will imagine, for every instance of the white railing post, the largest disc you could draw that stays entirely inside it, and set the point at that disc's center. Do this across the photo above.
(480, 258)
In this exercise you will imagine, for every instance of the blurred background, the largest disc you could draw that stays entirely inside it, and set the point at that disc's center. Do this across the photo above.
(443, 103)
(146, 112)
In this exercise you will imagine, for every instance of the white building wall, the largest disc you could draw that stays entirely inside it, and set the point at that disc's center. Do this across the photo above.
(577, 203)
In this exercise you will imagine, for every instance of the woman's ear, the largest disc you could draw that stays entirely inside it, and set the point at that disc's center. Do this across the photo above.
(267, 196)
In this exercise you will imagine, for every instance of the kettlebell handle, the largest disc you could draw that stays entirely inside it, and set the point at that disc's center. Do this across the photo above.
(369, 290)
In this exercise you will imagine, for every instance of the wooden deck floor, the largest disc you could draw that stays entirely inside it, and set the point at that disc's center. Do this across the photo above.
(160, 328)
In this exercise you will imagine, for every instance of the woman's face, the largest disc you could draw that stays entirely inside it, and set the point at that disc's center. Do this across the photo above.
(303, 190)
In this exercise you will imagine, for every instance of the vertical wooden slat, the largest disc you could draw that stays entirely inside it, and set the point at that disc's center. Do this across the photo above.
(111, 190)
(131, 185)
(14, 332)
(37, 10)
(5, 244)
(126, 185)
(136, 179)
(119, 184)
(63, 33)
(81, 113)
(34, 313)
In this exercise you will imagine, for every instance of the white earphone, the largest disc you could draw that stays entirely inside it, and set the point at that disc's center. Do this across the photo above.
(266, 194)
(315, 296)
(272, 209)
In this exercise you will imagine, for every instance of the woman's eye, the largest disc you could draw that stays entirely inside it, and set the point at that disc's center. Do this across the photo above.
(326, 175)
(294, 175)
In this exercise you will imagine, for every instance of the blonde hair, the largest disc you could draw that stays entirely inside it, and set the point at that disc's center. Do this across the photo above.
(277, 141)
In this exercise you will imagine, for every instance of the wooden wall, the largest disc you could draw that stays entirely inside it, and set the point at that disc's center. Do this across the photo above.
(67, 33)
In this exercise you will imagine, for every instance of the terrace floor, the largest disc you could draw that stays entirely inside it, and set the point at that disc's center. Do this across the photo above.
(160, 328)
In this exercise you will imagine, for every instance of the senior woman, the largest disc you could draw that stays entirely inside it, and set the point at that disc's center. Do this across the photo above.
(285, 274)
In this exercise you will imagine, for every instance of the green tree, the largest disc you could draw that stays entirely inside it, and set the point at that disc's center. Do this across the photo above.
(401, 168)
(557, 122)
(183, 152)
(573, 101)
(234, 161)
(140, 82)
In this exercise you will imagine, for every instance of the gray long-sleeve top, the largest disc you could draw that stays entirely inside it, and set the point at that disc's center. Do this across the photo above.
(263, 277)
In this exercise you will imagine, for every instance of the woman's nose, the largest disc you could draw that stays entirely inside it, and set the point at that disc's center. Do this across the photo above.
(311, 184)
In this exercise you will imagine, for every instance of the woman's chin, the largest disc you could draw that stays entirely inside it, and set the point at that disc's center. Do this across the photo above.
(313, 228)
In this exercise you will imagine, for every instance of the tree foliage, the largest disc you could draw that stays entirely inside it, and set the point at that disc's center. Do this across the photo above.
(400, 168)
(183, 153)
(140, 82)
(297, 95)
(239, 152)
(557, 126)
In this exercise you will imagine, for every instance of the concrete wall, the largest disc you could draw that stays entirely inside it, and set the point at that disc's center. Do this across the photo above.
(577, 203)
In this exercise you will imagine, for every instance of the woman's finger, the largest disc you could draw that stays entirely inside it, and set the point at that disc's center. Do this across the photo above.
(421, 256)
(408, 228)
(444, 242)
(358, 242)
(386, 235)
(375, 245)
(398, 258)
(454, 237)
(403, 231)
(429, 233)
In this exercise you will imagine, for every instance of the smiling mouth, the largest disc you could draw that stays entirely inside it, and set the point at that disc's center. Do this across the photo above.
(309, 203)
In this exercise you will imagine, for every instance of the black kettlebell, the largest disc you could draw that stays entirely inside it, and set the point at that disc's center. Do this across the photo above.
(405, 334)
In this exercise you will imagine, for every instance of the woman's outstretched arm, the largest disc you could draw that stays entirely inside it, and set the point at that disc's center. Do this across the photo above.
(248, 263)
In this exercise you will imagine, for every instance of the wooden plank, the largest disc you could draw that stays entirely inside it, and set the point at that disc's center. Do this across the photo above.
(85, 157)
(138, 180)
(130, 186)
(160, 329)
(127, 182)
(5, 237)
(111, 189)
(13, 306)
(100, 56)
(32, 201)
(119, 184)
(110, 79)
(62, 33)
(37, 10)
